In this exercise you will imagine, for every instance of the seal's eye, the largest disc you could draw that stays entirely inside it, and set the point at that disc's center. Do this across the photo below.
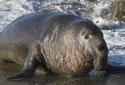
(86, 36)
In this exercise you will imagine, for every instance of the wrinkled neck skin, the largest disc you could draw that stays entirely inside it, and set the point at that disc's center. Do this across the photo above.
(65, 51)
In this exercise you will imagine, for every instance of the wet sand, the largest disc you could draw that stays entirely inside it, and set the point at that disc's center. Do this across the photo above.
(9, 69)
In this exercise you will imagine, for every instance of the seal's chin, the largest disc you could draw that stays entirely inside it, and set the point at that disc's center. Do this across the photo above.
(89, 54)
(100, 62)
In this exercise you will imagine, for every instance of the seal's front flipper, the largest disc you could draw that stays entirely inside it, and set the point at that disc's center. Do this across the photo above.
(26, 72)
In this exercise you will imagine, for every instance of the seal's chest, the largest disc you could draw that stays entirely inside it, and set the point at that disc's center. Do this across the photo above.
(67, 61)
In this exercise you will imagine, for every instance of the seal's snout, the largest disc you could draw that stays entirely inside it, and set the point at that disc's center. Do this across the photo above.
(101, 50)
(100, 44)
(102, 47)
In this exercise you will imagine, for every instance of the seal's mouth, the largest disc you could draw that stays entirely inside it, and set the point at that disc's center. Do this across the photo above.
(100, 60)
(89, 55)
(96, 57)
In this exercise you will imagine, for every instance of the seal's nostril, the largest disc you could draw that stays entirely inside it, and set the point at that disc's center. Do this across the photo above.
(102, 47)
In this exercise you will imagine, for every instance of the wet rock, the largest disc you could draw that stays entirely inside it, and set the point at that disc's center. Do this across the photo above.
(117, 10)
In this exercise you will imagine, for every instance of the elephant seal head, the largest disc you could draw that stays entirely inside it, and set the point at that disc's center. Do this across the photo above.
(94, 47)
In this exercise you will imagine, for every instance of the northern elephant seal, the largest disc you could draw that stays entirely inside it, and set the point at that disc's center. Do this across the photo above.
(61, 43)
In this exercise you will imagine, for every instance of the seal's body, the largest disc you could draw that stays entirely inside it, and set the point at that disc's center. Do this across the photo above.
(61, 43)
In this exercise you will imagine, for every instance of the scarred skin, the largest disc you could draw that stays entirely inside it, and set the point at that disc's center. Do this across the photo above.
(62, 44)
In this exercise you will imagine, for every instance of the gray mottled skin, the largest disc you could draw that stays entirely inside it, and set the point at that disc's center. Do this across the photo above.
(61, 43)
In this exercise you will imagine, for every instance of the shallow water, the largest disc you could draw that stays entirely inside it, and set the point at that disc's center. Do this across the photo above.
(9, 69)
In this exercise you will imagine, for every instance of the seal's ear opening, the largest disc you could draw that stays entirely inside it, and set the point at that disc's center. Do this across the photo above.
(82, 33)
